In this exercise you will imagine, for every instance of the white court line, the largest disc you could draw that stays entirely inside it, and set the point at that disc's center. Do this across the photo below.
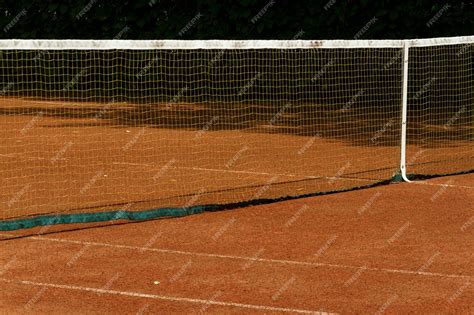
(55, 102)
(245, 172)
(227, 171)
(27, 158)
(164, 297)
(217, 170)
(441, 185)
(253, 259)
(17, 155)
(240, 172)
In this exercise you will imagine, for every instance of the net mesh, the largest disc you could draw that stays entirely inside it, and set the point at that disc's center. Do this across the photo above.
(441, 112)
(87, 131)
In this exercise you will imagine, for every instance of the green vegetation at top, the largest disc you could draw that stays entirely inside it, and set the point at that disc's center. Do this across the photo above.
(226, 19)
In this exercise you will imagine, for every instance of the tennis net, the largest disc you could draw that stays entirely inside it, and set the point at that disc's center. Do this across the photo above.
(118, 129)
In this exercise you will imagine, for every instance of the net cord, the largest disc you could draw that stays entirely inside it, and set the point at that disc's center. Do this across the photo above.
(79, 44)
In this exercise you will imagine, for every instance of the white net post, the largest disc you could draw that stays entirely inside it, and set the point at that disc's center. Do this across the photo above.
(403, 141)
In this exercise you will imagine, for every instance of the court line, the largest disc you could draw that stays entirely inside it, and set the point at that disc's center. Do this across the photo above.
(165, 297)
(215, 170)
(14, 155)
(441, 185)
(245, 172)
(253, 259)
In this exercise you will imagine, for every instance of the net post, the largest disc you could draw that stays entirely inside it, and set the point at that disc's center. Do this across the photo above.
(403, 169)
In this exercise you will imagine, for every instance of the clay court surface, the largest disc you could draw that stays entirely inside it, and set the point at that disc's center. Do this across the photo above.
(399, 248)
(402, 248)
(75, 156)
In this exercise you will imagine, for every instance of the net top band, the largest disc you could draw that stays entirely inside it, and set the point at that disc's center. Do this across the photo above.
(80, 44)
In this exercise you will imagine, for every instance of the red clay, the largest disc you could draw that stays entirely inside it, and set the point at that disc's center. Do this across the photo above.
(402, 248)
(67, 157)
